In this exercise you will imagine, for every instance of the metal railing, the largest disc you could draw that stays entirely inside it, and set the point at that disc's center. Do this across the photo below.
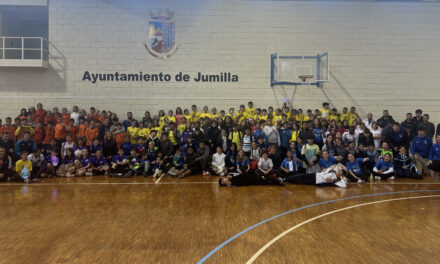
(24, 48)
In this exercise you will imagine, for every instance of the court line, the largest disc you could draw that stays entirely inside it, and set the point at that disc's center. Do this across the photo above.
(160, 178)
(177, 183)
(104, 183)
(271, 242)
(229, 240)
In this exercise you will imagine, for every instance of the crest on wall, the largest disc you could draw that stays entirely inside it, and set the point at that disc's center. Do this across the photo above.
(161, 42)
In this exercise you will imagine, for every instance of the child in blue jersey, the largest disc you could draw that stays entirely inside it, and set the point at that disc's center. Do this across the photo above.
(77, 150)
(258, 131)
(84, 165)
(151, 154)
(326, 160)
(126, 146)
(384, 168)
(434, 155)
(99, 164)
(119, 163)
(420, 148)
(318, 133)
(404, 166)
(373, 156)
(140, 146)
(285, 136)
(289, 166)
(95, 146)
(67, 167)
(356, 170)
(261, 143)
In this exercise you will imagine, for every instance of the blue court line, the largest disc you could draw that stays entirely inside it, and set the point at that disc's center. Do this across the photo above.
(298, 209)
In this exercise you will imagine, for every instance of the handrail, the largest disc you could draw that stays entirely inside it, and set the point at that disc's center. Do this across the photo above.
(12, 55)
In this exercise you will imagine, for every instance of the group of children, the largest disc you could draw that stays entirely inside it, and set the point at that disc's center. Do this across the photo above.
(253, 146)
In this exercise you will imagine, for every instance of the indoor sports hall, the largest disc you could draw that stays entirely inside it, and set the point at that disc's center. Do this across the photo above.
(219, 131)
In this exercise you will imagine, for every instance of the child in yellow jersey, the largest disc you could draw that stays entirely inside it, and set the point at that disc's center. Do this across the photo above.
(309, 116)
(236, 136)
(241, 115)
(214, 113)
(325, 110)
(300, 116)
(232, 113)
(317, 114)
(157, 128)
(132, 132)
(187, 115)
(24, 163)
(352, 115)
(171, 117)
(277, 116)
(295, 132)
(162, 117)
(344, 115)
(286, 111)
(334, 115)
(222, 114)
(250, 111)
(182, 126)
(205, 113)
(263, 115)
(195, 116)
(143, 131)
(257, 115)
(173, 135)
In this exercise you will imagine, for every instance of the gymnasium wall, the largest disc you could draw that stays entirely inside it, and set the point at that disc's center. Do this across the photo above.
(383, 55)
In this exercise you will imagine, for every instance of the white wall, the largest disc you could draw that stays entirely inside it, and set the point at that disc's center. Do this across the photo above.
(24, 2)
(382, 55)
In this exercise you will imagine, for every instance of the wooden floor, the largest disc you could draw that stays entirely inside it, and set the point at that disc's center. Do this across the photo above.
(106, 220)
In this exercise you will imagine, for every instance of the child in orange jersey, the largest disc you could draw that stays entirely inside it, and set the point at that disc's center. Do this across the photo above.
(65, 115)
(72, 129)
(39, 134)
(91, 132)
(82, 128)
(8, 127)
(49, 134)
(120, 135)
(60, 132)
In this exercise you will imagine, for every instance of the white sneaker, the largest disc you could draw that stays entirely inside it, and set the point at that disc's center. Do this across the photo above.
(377, 178)
(391, 178)
(156, 171)
(360, 181)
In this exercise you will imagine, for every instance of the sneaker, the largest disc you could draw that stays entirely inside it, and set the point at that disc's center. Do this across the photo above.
(36, 180)
(206, 173)
(89, 174)
(128, 174)
(280, 181)
(360, 181)
(391, 178)
(222, 174)
(181, 175)
(26, 181)
(377, 178)
(155, 173)
(118, 175)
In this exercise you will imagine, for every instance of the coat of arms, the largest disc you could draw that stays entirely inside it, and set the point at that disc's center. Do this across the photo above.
(161, 41)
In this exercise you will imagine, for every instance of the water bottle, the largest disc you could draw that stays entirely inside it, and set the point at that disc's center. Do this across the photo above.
(25, 173)
(371, 177)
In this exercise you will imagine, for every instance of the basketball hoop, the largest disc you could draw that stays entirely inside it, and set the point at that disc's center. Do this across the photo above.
(305, 77)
